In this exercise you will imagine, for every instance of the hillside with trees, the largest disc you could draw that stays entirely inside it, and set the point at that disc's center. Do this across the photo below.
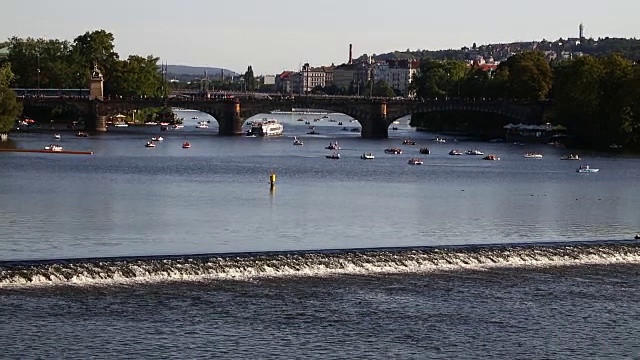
(627, 48)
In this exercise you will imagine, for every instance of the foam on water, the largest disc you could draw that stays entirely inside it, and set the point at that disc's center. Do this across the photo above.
(251, 266)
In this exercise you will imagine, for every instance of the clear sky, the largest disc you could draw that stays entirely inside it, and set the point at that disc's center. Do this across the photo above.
(277, 35)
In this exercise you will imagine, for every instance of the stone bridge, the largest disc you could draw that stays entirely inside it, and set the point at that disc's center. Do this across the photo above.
(374, 114)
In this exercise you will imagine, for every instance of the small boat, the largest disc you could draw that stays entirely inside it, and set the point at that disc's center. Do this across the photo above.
(637, 237)
(195, 118)
(571, 157)
(82, 134)
(344, 129)
(202, 126)
(186, 145)
(56, 136)
(438, 139)
(586, 169)
(150, 144)
(394, 151)
(177, 127)
(531, 155)
(474, 152)
(307, 123)
(335, 155)
(408, 142)
(121, 125)
(164, 124)
(455, 152)
(332, 146)
(313, 132)
(615, 146)
(425, 151)
(491, 157)
(53, 148)
(296, 141)
(415, 161)
(301, 119)
(157, 138)
(151, 123)
(355, 130)
(340, 123)
(367, 156)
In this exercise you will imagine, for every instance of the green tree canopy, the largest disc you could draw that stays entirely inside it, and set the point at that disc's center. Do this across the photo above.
(249, 79)
(525, 76)
(62, 64)
(9, 107)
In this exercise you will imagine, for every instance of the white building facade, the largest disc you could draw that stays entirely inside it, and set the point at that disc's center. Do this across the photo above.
(397, 73)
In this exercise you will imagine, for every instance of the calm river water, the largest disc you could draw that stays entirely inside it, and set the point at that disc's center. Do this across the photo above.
(188, 253)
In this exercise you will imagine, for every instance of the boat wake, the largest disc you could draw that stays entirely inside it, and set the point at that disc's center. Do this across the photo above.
(251, 266)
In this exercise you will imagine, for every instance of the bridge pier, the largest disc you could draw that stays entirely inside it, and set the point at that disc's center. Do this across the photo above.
(231, 123)
(378, 126)
(96, 123)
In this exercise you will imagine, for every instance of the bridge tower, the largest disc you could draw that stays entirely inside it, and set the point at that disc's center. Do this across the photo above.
(96, 84)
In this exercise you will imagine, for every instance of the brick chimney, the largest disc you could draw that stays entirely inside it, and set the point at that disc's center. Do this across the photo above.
(350, 54)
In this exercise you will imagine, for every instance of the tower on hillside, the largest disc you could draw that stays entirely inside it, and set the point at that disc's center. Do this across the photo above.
(350, 54)
(581, 32)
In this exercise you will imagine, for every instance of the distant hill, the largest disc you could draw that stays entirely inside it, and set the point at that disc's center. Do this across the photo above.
(198, 71)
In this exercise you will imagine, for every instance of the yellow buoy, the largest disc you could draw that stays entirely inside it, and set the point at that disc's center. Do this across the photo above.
(272, 178)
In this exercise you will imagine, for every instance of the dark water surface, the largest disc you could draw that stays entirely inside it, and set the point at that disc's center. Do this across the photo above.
(97, 253)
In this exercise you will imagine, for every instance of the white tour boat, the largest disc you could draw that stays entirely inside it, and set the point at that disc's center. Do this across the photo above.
(266, 127)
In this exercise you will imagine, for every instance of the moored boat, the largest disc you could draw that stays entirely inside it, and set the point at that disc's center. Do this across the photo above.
(474, 152)
(53, 147)
(532, 155)
(571, 157)
(395, 151)
(586, 169)
(415, 161)
(333, 146)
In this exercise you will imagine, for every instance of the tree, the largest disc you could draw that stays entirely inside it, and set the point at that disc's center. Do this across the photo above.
(249, 79)
(9, 107)
(525, 76)
(382, 88)
(437, 79)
